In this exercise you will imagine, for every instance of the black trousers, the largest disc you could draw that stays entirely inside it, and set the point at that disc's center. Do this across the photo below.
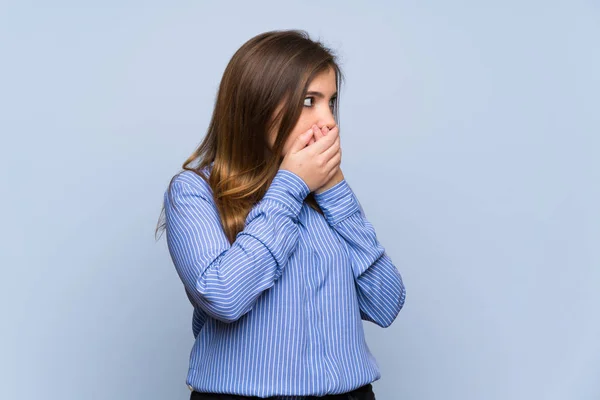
(362, 393)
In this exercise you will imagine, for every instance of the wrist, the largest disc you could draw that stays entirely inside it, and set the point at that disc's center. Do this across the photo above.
(337, 178)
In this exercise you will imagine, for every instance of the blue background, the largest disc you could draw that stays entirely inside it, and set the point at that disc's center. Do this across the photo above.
(471, 137)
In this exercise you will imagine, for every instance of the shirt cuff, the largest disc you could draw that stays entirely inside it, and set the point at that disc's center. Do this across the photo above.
(289, 189)
(338, 202)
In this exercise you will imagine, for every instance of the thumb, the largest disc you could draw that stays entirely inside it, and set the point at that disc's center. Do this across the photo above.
(301, 141)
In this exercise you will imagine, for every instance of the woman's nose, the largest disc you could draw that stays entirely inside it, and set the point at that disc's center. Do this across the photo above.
(328, 122)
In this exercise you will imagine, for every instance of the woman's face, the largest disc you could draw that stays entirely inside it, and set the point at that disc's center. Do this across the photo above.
(317, 109)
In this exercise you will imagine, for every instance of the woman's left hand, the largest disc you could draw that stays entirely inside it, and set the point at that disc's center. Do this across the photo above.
(339, 176)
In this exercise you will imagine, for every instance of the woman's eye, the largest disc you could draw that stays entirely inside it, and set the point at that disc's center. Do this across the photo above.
(331, 102)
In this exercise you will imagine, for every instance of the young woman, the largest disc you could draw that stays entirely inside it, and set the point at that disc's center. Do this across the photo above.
(272, 246)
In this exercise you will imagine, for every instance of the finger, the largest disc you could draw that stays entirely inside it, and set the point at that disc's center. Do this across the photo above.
(301, 141)
(325, 142)
(332, 150)
(334, 131)
(333, 165)
(335, 128)
(318, 133)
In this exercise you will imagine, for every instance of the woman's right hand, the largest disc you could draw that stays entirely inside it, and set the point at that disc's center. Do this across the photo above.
(315, 164)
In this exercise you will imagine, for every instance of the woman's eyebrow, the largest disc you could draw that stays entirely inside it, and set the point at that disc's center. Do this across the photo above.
(319, 94)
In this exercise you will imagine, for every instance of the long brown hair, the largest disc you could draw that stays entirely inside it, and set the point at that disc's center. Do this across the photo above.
(270, 70)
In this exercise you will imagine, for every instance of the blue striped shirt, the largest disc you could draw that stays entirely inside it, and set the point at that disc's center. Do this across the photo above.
(279, 312)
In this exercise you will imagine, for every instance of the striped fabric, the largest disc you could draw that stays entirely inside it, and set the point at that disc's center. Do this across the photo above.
(279, 312)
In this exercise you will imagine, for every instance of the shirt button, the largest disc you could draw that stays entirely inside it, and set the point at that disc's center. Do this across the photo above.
(190, 387)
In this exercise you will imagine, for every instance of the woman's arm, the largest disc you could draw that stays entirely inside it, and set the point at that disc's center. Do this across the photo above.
(380, 288)
(226, 279)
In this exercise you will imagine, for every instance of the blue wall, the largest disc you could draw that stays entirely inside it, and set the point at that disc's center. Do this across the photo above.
(470, 134)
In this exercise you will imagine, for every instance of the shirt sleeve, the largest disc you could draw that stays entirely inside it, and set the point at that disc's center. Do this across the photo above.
(381, 291)
(226, 279)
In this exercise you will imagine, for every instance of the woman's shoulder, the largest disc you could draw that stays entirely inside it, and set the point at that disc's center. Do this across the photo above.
(191, 179)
